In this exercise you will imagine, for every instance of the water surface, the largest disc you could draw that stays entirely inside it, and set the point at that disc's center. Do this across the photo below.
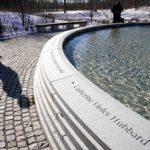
(118, 61)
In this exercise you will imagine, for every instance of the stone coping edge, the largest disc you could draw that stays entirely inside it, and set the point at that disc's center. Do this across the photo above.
(109, 123)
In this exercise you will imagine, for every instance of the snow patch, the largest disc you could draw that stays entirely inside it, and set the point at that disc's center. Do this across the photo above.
(13, 25)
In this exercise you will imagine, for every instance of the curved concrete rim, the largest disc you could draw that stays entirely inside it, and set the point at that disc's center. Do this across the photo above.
(95, 116)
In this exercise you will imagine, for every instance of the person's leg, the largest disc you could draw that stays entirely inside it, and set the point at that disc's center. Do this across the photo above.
(115, 17)
(118, 17)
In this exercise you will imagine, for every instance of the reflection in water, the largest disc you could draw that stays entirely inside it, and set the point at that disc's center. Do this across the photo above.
(118, 61)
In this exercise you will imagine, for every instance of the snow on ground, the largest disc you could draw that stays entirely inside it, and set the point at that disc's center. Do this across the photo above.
(13, 23)
(142, 14)
(105, 16)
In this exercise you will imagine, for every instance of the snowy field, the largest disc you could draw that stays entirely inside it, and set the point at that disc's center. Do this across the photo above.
(13, 24)
(105, 16)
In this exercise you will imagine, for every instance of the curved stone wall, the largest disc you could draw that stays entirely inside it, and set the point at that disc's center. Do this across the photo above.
(75, 113)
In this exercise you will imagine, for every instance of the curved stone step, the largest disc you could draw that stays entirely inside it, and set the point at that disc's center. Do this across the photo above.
(88, 117)
(72, 135)
(48, 103)
(56, 143)
(69, 119)
(41, 117)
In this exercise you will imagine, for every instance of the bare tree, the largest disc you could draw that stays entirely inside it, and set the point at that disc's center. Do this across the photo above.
(64, 6)
(1, 28)
(91, 9)
(20, 8)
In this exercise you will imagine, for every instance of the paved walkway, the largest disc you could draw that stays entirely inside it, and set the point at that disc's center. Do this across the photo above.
(20, 128)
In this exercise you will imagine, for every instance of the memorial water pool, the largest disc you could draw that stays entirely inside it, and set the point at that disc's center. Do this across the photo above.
(118, 61)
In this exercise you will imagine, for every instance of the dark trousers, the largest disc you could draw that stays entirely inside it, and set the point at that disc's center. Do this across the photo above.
(117, 17)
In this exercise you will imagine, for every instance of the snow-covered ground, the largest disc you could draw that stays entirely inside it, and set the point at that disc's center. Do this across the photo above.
(13, 24)
(105, 16)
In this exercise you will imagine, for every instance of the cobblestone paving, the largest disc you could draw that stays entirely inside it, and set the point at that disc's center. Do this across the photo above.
(20, 128)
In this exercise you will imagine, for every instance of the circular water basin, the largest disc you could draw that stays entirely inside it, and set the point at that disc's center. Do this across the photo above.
(118, 61)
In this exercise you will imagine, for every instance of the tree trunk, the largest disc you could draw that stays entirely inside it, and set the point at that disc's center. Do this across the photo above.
(64, 6)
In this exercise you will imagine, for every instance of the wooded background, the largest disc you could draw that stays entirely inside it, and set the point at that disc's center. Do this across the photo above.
(34, 6)
(45, 7)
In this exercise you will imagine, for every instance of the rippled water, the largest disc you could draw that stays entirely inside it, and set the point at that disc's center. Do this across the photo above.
(118, 61)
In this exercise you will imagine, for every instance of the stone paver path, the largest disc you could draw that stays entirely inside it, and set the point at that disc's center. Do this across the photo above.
(20, 128)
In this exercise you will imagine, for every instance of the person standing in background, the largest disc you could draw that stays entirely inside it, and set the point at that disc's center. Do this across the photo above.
(116, 10)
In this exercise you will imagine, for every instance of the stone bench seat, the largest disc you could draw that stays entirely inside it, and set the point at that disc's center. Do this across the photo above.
(56, 26)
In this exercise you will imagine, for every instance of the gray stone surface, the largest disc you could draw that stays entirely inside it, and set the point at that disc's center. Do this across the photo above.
(110, 123)
(20, 128)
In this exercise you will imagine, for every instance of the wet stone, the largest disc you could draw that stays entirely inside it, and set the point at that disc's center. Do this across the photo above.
(36, 125)
(2, 138)
(2, 107)
(10, 132)
(9, 101)
(16, 109)
(26, 119)
(43, 144)
(27, 124)
(1, 133)
(34, 119)
(9, 105)
(17, 123)
(13, 148)
(32, 107)
(9, 117)
(33, 146)
(1, 124)
(2, 128)
(24, 148)
(38, 132)
(47, 148)
(33, 114)
(3, 103)
(10, 137)
(9, 109)
(25, 110)
(30, 134)
(2, 119)
(28, 129)
(40, 138)
(21, 138)
(17, 113)
(8, 127)
(9, 113)
(2, 111)
(9, 122)
(17, 118)
(19, 133)
(33, 111)
(22, 144)
(1, 115)
(2, 145)
(12, 144)
(19, 127)
(25, 115)
(31, 140)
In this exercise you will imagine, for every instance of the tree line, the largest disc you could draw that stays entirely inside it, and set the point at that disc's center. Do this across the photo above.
(32, 6)
(43, 7)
